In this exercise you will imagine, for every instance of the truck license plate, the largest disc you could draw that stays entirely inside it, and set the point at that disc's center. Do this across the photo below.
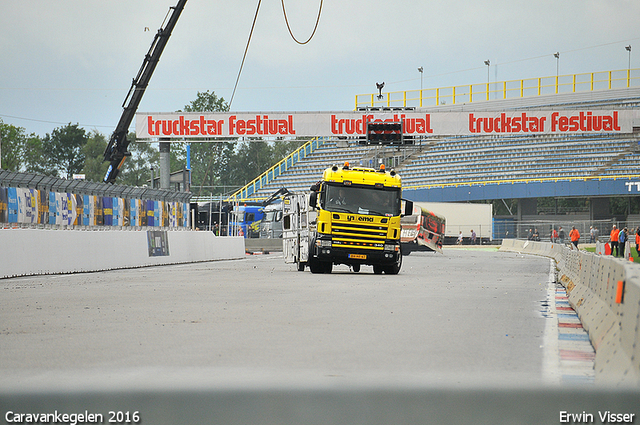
(358, 256)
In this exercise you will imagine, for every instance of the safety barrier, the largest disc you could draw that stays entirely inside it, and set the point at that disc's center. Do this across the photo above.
(605, 293)
(26, 252)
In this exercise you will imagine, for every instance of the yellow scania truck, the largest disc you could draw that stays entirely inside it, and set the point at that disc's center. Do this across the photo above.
(352, 216)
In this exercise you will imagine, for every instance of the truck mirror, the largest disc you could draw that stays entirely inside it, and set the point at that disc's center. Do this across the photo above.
(408, 207)
(313, 199)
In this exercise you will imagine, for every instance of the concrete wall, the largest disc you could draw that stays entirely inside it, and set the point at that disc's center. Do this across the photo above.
(605, 293)
(37, 251)
(263, 245)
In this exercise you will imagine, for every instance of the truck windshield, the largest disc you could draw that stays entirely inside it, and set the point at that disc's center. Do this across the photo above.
(362, 200)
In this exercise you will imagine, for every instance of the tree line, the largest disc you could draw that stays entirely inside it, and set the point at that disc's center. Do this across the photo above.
(217, 167)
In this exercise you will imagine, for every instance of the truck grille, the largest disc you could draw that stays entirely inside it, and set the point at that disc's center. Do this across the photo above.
(359, 235)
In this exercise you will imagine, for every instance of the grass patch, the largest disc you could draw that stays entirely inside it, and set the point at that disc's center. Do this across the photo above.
(634, 253)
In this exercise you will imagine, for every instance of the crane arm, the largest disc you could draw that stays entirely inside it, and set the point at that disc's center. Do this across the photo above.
(116, 151)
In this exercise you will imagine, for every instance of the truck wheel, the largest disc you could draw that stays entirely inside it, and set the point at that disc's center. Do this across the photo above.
(301, 266)
(315, 266)
(355, 267)
(395, 268)
(327, 267)
(378, 269)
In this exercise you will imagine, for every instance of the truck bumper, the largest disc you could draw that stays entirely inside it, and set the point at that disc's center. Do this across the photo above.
(370, 257)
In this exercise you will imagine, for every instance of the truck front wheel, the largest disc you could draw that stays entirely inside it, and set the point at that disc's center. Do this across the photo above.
(392, 269)
(317, 266)
(395, 268)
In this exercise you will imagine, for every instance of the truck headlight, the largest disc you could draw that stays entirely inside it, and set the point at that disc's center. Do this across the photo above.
(323, 243)
(391, 247)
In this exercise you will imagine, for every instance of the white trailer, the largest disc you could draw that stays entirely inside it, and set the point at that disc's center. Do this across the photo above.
(464, 217)
(298, 224)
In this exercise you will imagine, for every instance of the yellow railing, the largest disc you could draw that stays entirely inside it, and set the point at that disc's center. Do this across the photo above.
(273, 172)
(512, 181)
(573, 83)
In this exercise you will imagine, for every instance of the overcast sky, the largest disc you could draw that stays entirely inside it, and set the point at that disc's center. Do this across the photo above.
(73, 61)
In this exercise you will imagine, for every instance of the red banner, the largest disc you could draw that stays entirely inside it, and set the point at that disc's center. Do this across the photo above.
(297, 124)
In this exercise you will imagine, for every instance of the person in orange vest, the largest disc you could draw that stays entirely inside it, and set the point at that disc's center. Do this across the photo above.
(575, 236)
(613, 239)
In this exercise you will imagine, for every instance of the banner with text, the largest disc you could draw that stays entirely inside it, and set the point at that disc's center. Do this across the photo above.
(194, 125)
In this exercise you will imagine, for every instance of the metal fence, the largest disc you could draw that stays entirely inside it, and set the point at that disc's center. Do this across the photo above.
(512, 229)
(33, 200)
(469, 93)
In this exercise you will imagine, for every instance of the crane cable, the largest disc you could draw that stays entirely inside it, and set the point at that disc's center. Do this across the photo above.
(245, 54)
(289, 28)
(251, 34)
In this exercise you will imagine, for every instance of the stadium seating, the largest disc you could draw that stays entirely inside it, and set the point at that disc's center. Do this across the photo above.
(485, 158)
(495, 158)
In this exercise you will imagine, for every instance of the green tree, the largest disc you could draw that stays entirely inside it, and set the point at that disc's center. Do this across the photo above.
(12, 147)
(35, 158)
(136, 170)
(210, 160)
(252, 158)
(64, 149)
(95, 167)
(207, 102)
(283, 147)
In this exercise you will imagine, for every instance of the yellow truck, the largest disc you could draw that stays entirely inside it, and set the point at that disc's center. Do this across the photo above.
(352, 216)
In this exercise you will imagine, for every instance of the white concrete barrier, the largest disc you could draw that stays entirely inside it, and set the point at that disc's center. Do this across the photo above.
(36, 251)
(605, 293)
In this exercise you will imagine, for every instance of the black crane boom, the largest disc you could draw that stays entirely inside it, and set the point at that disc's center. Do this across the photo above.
(116, 151)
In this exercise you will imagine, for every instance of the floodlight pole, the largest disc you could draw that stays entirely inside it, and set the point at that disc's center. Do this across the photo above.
(628, 49)
(421, 71)
(488, 63)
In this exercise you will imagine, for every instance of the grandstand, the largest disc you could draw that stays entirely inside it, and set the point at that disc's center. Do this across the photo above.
(469, 160)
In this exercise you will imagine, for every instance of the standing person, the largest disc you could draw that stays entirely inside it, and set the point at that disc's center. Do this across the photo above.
(613, 240)
(473, 237)
(459, 242)
(596, 232)
(575, 236)
(622, 239)
(638, 240)
(554, 235)
(592, 235)
(536, 235)
(561, 234)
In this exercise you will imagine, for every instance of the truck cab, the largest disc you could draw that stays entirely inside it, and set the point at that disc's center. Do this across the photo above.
(357, 221)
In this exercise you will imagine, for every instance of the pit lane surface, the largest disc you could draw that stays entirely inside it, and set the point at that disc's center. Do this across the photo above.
(466, 316)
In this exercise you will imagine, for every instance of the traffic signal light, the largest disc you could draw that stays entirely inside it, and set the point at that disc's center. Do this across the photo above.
(385, 133)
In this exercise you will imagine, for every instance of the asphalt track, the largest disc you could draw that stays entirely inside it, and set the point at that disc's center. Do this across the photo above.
(465, 317)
